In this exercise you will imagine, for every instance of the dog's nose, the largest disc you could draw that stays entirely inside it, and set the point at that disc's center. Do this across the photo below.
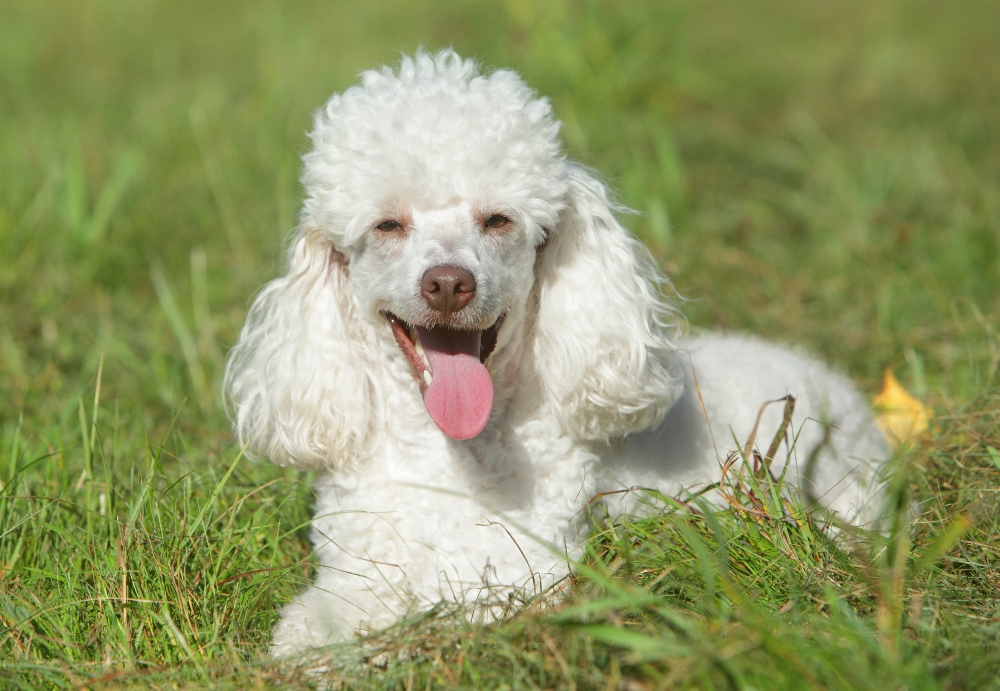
(447, 288)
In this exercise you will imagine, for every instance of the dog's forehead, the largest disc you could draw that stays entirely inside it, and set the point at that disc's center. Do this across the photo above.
(436, 141)
(451, 171)
(429, 138)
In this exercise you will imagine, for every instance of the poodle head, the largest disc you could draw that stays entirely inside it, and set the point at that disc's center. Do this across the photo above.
(438, 183)
(441, 209)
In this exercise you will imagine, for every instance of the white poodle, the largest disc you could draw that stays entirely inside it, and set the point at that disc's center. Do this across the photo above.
(472, 348)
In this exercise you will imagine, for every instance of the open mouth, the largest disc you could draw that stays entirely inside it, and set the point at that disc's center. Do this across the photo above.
(450, 366)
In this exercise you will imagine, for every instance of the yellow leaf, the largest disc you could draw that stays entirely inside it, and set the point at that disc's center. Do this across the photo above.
(901, 417)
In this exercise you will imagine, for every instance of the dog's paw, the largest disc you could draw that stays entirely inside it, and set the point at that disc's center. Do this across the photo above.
(306, 623)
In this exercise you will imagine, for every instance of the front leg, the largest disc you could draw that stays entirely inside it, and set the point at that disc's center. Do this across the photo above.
(389, 548)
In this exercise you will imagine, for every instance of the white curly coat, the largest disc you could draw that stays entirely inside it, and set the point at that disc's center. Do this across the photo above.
(594, 389)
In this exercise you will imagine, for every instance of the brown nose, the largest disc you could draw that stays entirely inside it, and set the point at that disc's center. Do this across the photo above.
(447, 288)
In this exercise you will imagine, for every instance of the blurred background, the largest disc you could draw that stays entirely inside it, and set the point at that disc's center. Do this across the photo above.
(824, 174)
(821, 173)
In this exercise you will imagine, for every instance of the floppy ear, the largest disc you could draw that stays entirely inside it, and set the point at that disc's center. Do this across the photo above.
(300, 382)
(602, 348)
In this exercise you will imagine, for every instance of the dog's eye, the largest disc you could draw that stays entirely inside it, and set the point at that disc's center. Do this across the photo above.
(389, 226)
(497, 221)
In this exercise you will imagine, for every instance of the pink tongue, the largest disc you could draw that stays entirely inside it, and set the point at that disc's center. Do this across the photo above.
(460, 396)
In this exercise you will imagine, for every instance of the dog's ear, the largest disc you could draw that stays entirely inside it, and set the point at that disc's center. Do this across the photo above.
(299, 383)
(603, 348)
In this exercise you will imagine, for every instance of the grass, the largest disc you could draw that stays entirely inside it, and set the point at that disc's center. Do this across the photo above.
(823, 175)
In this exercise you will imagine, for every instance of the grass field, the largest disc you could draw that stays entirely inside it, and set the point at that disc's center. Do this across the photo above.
(826, 174)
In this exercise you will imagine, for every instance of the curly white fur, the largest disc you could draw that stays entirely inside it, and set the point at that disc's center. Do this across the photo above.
(594, 390)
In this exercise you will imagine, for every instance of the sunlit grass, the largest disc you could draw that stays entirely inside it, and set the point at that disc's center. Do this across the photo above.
(824, 176)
